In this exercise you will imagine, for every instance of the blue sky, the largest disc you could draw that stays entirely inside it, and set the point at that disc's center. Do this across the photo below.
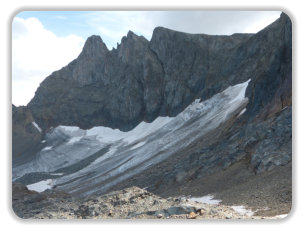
(62, 23)
(45, 41)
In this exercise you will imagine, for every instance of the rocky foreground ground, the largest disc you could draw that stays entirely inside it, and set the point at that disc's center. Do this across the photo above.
(130, 203)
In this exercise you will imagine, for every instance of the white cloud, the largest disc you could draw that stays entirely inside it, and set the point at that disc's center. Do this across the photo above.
(36, 53)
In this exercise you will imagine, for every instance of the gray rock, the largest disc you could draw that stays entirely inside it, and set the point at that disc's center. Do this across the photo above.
(26, 138)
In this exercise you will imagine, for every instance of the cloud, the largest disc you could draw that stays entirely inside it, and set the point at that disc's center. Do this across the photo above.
(112, 25)
(36, 53)
(259, 24)
(219, 22)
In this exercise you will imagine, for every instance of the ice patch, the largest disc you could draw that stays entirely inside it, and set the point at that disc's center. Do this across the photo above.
(107, 155)
(109, 135)
(74, 140)
(56, 174)
(71, 131)
(47, 148)
(144, 129)
(281, 216)
(70, 128)
(242, 112)
(240, 94)
(36, 126)
(43, 141)
(137, 145)
(41, 185)
(105, 134)
(242, 210)
(208, 199)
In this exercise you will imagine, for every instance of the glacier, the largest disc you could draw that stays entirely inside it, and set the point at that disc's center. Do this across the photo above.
(94, 160)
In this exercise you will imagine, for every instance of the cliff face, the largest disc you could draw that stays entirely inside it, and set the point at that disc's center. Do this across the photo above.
(117, 88)
(26, 137)
(141, 80)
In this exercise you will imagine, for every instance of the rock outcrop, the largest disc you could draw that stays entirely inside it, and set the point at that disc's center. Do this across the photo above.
(26, 135)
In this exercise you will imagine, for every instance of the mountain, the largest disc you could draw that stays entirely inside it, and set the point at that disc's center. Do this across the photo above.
(181, 114)
(141, 80)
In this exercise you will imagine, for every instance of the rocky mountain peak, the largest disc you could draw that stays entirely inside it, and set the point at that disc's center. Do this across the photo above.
(159, 33)
(131, 34)
(131, 48)
(131, 37)
(94, 47)
(85, 69)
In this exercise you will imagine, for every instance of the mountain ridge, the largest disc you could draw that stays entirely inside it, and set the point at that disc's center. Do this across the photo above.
(143, 79)
(151, 97)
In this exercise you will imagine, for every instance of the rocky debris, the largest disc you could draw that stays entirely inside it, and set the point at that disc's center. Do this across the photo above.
(27, 203)
(270, 141)
(193, 215)
(130, 203)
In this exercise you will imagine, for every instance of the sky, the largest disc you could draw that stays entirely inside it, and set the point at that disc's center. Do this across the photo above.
(46, 41)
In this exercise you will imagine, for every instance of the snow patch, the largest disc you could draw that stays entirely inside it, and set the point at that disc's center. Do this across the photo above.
(41, 185)
(242, 210)
(56, 174)
(242, 112)
(37, 126)
(281, 216)
(71, 131)
(109, 135)
(240, 90)
(69, 128)
(208, 199)
(105, 134)
(74, 140)
(47, 148)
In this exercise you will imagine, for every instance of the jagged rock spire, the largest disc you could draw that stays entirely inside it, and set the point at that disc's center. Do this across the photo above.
(94, 47)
